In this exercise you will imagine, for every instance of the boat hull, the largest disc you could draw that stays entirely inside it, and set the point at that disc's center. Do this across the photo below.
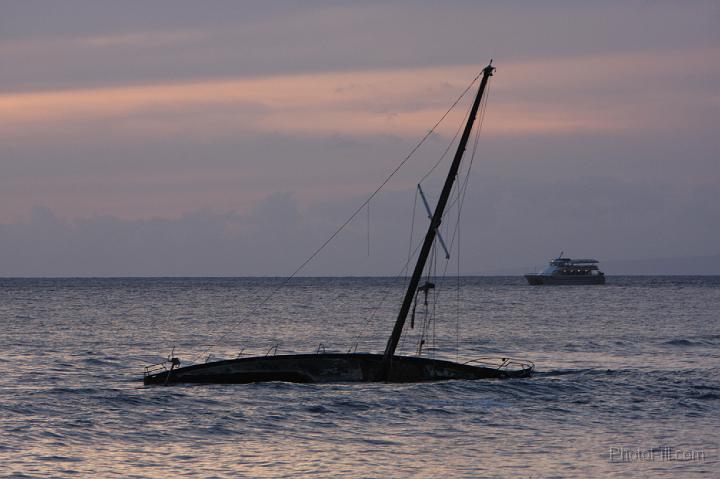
(538, 279)
(329, 368)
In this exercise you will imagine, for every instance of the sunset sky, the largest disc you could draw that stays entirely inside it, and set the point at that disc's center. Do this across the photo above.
(231, 138)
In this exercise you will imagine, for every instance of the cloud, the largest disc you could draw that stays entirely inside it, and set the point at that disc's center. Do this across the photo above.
(91, 44)
(557, 96)
(511, 225)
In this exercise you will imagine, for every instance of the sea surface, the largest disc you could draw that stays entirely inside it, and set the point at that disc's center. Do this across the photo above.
(627, 381)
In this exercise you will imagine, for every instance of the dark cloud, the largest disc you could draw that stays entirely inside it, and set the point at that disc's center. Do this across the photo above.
(505, 225)
(88, 43)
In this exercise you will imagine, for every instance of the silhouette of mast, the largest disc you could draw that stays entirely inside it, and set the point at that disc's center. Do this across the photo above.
(432, 230)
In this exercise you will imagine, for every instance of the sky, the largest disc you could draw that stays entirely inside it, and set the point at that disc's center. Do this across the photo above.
(231, 138)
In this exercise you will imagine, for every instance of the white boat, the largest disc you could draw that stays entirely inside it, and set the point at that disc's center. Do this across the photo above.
(568, 271)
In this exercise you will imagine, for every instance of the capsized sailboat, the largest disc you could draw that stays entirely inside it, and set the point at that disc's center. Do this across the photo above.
(358, 367)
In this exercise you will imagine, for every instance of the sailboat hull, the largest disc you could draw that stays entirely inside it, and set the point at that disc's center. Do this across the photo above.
(329, 368)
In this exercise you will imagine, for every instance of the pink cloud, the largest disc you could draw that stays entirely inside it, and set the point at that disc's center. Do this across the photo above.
(543, 97)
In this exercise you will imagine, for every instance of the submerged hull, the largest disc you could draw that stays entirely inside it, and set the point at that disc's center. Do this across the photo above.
(538, 279)
(327, 368)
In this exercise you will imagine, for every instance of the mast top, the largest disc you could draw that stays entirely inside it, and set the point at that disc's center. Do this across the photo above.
(488, 70)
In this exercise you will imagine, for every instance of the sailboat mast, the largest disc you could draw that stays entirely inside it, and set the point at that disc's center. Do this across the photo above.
(432, 230)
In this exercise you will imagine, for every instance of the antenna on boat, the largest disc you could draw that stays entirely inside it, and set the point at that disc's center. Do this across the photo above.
(432, 229)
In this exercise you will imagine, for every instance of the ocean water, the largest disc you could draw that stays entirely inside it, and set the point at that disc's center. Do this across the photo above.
(627, 382)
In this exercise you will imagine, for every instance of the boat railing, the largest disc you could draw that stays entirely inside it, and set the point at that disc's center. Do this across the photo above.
(155, 368)
(273, 349)
(503, 363)
(163, 366)
(160, 367)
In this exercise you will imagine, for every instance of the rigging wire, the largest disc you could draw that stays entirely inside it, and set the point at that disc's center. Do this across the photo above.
(412, 228)
(464, 188)
(459, 187)
(427, 318)
(457, 304)
(397, 277)
(354, 214)
(411, 251)
(447, 150)
(368, 229)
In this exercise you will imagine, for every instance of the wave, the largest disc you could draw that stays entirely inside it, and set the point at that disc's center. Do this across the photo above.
(684, 343)
(584, 371)
(62, 391)
(99, 362)
(61, 459)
